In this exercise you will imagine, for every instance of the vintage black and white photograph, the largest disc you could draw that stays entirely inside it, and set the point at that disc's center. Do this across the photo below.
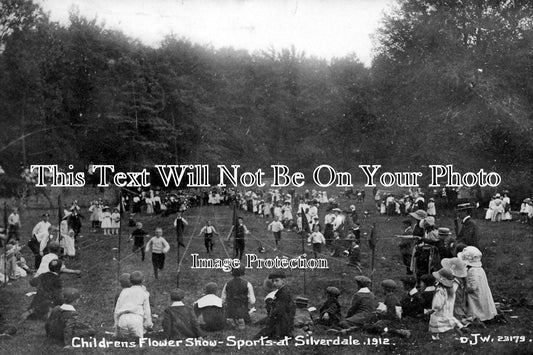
(266, 176)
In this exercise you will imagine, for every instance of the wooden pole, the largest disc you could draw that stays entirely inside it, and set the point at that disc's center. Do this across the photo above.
(303, 252)
(178, 270)
(59, 218)
(120, 209)
(373, 236)
(6, 278)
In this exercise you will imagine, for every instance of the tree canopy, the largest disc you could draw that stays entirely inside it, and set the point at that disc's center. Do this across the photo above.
(450, 83)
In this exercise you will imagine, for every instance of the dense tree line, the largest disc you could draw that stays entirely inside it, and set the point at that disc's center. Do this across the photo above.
(450, 83)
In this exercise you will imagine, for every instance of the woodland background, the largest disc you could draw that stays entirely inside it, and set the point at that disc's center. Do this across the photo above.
(450, 83)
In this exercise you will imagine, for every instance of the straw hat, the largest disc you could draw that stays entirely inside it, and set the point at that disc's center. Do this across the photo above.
(456, 265)
(444, 232)
(471, 256)
(444, 276)
(464, 207)
(419, 214)
(277, 275)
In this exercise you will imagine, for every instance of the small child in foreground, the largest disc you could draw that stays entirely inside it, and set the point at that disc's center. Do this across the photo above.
(63, 324)
(389, 316)
(210, 308)
(179, 321)
(330, 311)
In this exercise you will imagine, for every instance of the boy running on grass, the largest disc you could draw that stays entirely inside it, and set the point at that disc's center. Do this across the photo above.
(138, 236)
(159, 247)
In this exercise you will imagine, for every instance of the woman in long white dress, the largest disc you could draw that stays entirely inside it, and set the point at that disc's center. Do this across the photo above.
(506, 202)
(490, 210)
(497, 213)
(67, 238)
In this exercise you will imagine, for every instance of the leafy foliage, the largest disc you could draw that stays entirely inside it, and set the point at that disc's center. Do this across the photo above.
(450, 83)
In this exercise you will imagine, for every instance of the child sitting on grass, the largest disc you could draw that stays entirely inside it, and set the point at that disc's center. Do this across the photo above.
(412, 302)
(330, 311)
(179, 321)
(237, 295)
(210, 308)
(49, 292)
(389, 316)
(63, 324)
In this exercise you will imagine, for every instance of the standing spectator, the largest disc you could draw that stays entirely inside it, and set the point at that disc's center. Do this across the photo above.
(40, 230)
(469, 233)
(74, 221)
(180, 223)
(431, 210)
(13, 225)
(317, 239)
(478, 295)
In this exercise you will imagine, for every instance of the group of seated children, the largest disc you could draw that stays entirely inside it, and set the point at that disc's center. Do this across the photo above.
(450, 299)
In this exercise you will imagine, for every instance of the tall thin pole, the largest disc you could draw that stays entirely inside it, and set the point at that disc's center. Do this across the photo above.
(178, 269)
(303, 252)
(373, 238)
(5, 245)
(59, 218)
(120, 209)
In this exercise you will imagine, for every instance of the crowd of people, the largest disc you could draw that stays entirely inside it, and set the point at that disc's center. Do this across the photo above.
(445, 284)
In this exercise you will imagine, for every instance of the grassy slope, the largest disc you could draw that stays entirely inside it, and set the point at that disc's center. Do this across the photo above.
(507, 260)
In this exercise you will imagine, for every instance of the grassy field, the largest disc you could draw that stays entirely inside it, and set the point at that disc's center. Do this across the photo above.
(507, 261)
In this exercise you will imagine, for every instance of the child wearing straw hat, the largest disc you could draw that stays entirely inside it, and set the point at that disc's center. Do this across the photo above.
(442, 319)
(458, 268)
(479, 297)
